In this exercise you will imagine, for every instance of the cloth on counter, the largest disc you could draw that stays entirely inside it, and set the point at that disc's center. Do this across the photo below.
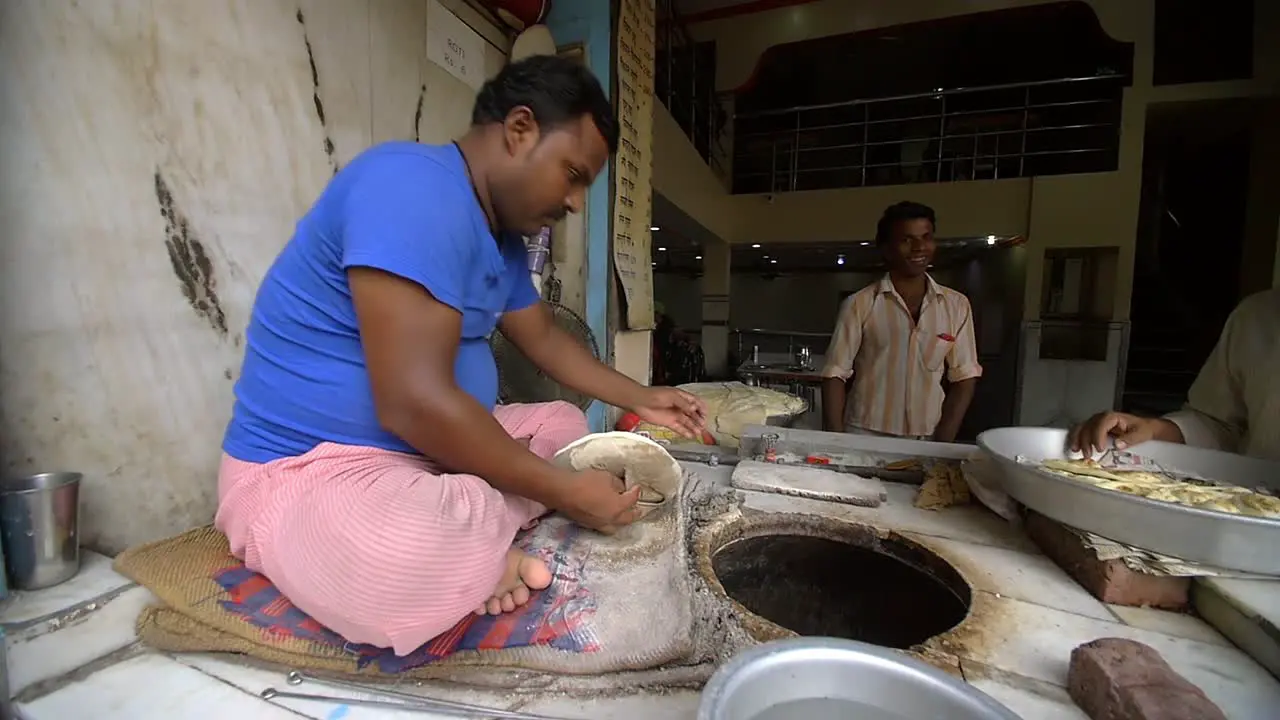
(808, 482)
(586, 622)
(983, 477)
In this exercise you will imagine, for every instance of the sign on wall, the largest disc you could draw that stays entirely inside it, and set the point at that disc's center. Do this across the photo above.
(454, 46)
(633, 168)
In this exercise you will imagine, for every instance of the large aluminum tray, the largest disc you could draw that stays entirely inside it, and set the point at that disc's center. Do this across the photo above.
(1215, 538)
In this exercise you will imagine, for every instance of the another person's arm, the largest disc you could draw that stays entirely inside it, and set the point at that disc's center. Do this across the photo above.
(963, 371)
(846, 339)
(1214, 416)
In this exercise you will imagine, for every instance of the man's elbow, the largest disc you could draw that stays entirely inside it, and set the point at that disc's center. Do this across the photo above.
(404, 409)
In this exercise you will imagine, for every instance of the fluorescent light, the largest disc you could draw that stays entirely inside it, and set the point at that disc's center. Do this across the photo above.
(775, 262)
(662, 249)
(697, 257)
(755, 245)
(864, 243)
(654, 228)
(654, 264)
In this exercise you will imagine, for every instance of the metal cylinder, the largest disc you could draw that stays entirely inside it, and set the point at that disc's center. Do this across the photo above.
(539, 249)
(39, 523)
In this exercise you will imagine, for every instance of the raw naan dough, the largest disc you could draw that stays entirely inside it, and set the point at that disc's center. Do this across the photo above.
(634, 458)
(731, 406)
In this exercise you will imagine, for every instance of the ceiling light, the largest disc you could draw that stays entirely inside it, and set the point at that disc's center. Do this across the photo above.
(662, 249)
(654, 264)
(991, 239)
(864, 243)
(840, 260)
(775, 262)
(654, 228)
(755, 245)
(697, 257)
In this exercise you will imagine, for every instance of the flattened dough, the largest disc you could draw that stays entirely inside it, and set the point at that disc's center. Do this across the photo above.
(734, 405)
(634, 458)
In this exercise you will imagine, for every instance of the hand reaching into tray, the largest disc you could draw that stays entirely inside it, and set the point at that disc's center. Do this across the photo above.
(1106, 430)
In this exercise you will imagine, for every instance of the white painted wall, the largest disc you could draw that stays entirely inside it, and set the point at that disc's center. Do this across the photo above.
(121, 320)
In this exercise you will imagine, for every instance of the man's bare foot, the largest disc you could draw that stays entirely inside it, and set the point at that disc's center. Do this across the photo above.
(523, 573)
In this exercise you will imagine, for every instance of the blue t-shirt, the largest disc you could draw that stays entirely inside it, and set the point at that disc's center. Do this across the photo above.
(401, 207)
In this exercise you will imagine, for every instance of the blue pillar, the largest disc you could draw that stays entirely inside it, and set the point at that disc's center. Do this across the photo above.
(589, 22)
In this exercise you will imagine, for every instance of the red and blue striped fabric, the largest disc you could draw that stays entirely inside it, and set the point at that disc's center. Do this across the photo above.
(558, 616)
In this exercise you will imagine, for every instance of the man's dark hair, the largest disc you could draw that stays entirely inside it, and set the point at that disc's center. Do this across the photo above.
(558, 90)
(901, 212)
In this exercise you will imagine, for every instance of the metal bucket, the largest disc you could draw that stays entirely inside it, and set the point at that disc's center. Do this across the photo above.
(826, 678)
(39, 522)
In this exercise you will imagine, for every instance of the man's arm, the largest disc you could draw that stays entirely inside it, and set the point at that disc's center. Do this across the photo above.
(1215, 415)
(846, 339)
(410, 342)
(565, 360)
(963, 371)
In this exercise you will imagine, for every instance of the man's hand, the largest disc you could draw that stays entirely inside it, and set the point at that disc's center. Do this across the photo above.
(1097, 433)
(672, 408)
(595, 499)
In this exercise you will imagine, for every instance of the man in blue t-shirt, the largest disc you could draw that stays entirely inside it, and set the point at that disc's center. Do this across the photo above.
(366, 469)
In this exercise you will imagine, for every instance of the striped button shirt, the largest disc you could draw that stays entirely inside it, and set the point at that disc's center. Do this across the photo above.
(897, 363)
(1234, 404)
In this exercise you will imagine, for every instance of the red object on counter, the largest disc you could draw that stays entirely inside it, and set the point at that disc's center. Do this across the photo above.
(818, 460)
(630, 421)
(520, 14)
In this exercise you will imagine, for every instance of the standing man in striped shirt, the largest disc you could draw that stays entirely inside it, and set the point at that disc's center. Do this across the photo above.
(896, 338)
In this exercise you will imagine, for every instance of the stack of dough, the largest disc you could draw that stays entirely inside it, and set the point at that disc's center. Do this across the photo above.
(731, 406)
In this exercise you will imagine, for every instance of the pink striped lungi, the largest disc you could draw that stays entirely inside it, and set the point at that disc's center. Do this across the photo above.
(377, 545)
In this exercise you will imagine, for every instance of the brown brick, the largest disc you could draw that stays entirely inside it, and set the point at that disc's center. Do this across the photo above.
(1111, 581)
(1118, 679)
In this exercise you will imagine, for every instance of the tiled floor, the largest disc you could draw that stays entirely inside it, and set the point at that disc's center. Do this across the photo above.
(1042, 615)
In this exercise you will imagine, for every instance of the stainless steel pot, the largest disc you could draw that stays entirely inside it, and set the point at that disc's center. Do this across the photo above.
(817, 678)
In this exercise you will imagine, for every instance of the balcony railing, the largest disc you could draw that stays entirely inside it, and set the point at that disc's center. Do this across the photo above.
(1043, 128)
(684, 82)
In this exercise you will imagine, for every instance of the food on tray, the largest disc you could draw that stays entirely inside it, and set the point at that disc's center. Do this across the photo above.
(1165, 487)
(944, 486)
(732, 406)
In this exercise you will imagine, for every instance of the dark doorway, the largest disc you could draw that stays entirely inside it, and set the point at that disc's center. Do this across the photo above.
(1190, 238)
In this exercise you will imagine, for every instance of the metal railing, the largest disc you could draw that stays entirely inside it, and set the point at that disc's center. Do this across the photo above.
(684, 83)
(1018, 130)
(775, 342)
